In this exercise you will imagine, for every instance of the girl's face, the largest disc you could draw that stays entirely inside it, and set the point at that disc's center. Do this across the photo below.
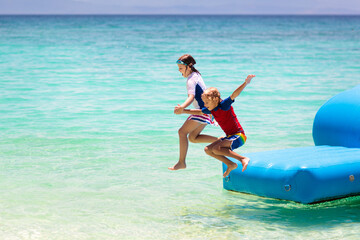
(209, 103)
(185, 70)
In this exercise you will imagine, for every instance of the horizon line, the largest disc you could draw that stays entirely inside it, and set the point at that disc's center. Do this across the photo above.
(177, 14)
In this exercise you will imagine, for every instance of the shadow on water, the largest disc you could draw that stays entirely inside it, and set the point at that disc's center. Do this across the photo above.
(291, 214)
(243, 208)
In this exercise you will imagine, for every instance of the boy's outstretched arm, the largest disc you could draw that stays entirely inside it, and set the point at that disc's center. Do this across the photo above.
(241, 87)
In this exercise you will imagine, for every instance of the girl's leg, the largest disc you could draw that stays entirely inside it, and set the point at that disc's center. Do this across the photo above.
(187, 127)
(196, 137)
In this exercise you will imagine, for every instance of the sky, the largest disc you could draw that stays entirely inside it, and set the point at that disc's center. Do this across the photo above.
(321, 7)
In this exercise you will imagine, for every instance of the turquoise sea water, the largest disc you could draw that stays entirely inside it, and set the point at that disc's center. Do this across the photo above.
(87, 128)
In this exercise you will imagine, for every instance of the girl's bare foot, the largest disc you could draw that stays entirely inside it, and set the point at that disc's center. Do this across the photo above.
(245, 161)
(177, 166)
(230, 167)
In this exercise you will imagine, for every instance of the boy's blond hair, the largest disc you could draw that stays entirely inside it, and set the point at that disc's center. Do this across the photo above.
(211, 93)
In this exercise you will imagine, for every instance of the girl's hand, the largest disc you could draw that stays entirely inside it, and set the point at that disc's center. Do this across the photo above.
(178, 109)
(248, 79)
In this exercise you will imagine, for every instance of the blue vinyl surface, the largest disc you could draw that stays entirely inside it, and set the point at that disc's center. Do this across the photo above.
(306, 175)
(329, 170)
(337, 123)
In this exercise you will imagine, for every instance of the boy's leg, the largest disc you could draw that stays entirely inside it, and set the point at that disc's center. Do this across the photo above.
(224, 148)
(210, 151)
(187, 127)
(220, 149)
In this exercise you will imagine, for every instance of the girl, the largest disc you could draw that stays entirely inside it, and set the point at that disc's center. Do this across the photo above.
(193, 126)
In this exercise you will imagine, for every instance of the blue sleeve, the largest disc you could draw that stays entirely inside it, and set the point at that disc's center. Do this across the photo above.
(205, 110)
(226, 103)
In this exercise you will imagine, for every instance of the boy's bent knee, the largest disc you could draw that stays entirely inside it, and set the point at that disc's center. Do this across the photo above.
(217, 150)
(208, 150)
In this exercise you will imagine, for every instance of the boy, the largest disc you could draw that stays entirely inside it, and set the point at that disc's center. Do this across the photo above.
(224, 114)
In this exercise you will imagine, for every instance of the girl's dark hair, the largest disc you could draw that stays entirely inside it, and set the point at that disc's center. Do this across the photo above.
(190, 61)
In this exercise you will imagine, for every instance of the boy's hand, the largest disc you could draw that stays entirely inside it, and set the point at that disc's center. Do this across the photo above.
(248, 79)
(178, 109)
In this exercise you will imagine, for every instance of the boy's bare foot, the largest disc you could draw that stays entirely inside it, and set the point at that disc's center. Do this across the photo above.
(245, 161)
(177, 166)
(229, 169)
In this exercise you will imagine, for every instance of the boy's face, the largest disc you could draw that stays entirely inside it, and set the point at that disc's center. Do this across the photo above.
(209, 103)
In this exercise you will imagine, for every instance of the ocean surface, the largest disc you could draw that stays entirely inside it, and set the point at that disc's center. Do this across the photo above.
(87, 129)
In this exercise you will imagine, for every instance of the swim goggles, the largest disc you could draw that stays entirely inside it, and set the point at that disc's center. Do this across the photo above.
(181, 62)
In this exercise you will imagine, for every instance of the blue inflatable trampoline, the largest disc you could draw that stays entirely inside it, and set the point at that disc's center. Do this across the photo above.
(326, 171)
